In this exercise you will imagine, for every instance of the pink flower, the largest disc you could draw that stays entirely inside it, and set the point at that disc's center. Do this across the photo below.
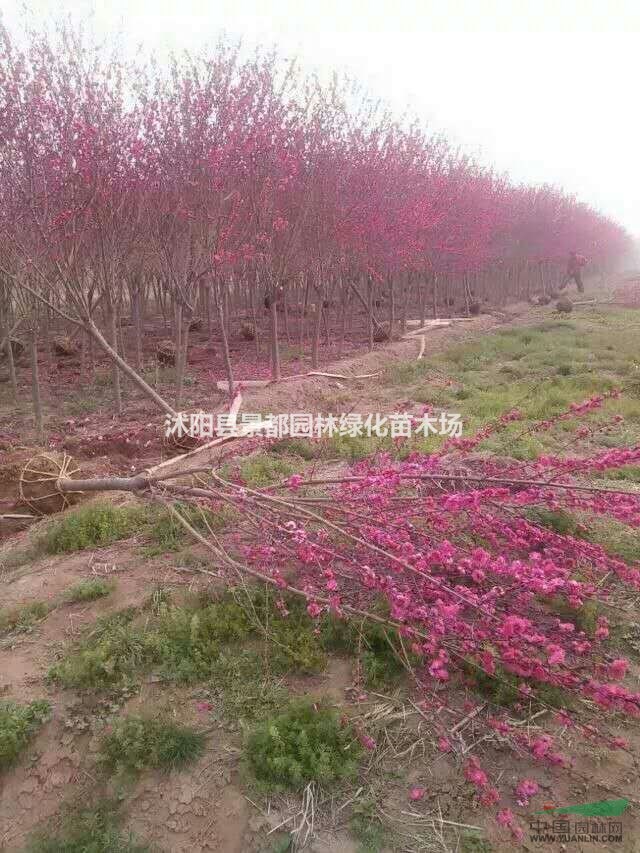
(489, 797)
(474, 773)
(556, 654)
(541, 746)
(619, 743)
(314, 610)
(367, 741)
(444, 745)
(204, 707)
(526, 789)
(294, 481)
(416, 793)
(507, 818)
(617, 669)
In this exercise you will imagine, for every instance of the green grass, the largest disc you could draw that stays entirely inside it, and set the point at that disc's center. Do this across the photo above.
(100, 523)
(86, 830)
(366, 827)
(379, 648)
(91, 526)
(183, 643)
(166, 533)
(616, 538)
(89, 590)
(541, 370)
(306, 742)
(261, 469)
(22, 617)
(305, 449)
(112, 652)
(137, 743)
(18, 725)
(471, 843)
(559, 520)
(244, 687)
(585, 617)
(353, 448)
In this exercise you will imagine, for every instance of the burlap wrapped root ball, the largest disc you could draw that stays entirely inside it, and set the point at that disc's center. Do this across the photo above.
(564, 305)
(248, 331)
(381, 333)
(17, 349)
(176, 445)
(64, 346)
(38, 483)
(166, 353)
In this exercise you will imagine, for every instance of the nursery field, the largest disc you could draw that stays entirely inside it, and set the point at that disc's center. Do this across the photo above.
(348, 643)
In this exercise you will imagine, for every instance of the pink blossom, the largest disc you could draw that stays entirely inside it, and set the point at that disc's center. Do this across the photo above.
(556, 654)
(526, 789)
(474, 773)
(367, 741)
(416, 793)
(294, 481)
(617, 669)
(506, 818)
(314, 610)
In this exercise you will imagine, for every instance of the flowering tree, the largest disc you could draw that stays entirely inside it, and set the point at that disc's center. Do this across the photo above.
(226, 181)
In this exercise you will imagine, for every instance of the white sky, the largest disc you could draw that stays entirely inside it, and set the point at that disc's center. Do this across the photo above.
(545, 90)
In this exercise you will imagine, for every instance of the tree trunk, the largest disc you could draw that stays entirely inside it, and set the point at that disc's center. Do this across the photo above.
(225, 341)
(5, 335)
(316, 335)
(137, 380)
(35, 383)
(254, 315)
(275, 348)
(136, 311)
(113, 331)
(370, 311)
(181, 361)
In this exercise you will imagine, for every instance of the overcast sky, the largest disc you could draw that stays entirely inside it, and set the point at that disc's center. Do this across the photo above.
(545, 90)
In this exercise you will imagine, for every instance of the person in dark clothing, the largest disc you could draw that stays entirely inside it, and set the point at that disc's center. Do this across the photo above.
(574, 271)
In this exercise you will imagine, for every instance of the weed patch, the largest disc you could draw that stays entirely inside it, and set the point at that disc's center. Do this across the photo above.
(94, 830)
(244, 689)
(296, 447)
(18, 725)
(137, 743)
(366, 827)
(379, 648)
(112, 652)
(22, 617)
(166, 533)
(89, 590)
(182, 643)
(265, 468)
(304, 743)
(91, 526)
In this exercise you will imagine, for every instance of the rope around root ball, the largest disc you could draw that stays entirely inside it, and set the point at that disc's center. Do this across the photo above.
(33, 474)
